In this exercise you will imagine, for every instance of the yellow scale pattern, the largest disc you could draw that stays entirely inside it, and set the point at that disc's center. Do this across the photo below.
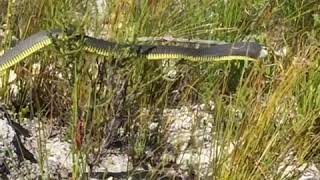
(26, 53)
(104, 52)
(198, 58)
(97, 51)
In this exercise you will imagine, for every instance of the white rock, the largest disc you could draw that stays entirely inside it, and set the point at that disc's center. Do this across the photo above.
(59, 153)
(311, 173)
(6, 132)
(116, 163)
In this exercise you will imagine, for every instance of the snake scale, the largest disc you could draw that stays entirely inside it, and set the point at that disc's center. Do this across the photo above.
(24, 48)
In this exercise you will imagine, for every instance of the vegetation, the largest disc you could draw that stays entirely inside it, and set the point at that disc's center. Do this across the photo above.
(266, 110)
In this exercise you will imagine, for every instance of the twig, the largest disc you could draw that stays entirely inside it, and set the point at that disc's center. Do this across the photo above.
(179, 40)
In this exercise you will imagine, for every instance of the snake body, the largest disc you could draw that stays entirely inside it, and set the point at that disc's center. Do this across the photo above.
(40, 40)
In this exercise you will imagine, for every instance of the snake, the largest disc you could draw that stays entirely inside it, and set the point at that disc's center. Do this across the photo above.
(250, 51)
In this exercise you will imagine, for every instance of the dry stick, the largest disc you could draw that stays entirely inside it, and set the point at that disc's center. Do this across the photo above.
(179, 40)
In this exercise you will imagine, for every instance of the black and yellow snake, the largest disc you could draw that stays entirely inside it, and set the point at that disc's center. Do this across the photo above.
(242, 50)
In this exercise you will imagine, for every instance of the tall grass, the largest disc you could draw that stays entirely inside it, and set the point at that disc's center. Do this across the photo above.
(266, 110)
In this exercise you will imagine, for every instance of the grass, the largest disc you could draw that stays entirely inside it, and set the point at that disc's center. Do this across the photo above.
(267, 110)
